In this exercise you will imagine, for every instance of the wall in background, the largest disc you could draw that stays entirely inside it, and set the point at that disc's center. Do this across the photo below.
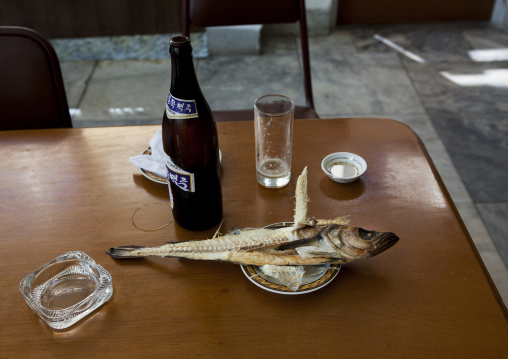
(90, 18)
(406, 11)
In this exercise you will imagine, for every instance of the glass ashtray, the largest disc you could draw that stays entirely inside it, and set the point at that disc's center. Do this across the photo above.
(67, 289)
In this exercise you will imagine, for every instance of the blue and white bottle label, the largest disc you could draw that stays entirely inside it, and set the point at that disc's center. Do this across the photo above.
(180, 178)
(178, 108)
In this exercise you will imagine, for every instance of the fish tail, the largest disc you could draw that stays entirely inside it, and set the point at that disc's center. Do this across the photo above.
(125, 252)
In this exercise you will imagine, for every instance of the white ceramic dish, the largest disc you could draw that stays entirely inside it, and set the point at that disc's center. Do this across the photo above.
(343, 167)
(310, 283)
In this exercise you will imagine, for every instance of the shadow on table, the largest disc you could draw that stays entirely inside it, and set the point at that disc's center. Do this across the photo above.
(156, 189)
(341, 191)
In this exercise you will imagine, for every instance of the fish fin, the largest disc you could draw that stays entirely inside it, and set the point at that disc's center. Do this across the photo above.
(296, 243)
(301, 201)
(321, 248)
(124, 252)
(313, 251)
(217, 233)
(343, 220)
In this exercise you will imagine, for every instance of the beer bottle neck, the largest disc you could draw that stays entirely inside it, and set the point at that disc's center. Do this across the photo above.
(183, 74)
(184, 82)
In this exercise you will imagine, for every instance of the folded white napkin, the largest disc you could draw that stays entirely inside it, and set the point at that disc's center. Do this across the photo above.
(155, 162)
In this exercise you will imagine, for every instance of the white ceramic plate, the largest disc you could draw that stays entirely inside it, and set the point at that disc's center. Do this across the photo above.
(309, 283)
(150, 175)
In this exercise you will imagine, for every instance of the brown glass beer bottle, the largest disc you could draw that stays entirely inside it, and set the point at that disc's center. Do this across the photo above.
(190, 140)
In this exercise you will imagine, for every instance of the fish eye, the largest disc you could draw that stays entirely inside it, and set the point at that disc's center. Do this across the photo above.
(367, 235)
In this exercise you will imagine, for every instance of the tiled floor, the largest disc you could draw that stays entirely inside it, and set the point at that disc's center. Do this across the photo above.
(458, 106)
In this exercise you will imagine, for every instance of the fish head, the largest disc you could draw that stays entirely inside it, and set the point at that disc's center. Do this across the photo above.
(356, 243)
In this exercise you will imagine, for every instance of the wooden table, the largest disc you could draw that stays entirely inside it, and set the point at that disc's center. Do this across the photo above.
(74, 189)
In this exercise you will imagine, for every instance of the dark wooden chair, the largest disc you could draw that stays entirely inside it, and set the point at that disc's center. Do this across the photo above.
(32, 92)
(207, 13)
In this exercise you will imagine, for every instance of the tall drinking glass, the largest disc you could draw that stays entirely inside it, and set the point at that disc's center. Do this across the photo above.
(273, 126)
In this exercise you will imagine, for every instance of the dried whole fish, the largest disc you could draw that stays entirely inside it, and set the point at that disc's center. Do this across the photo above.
(306, 242)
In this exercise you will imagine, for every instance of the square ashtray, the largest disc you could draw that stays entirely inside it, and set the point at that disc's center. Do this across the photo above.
(67, 289)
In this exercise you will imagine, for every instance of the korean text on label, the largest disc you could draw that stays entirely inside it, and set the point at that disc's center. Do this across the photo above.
(178, 108)
(183, 180)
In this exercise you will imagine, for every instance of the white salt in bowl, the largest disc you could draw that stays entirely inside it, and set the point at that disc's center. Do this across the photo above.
(344, 167)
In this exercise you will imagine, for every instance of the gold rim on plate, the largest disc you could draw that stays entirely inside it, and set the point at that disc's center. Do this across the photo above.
(309, 284)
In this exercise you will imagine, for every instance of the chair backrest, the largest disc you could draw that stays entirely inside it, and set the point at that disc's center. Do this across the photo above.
(32, 92)
(207, 13)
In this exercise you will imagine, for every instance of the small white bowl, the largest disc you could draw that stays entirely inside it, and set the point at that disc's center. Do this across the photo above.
(343, 167)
